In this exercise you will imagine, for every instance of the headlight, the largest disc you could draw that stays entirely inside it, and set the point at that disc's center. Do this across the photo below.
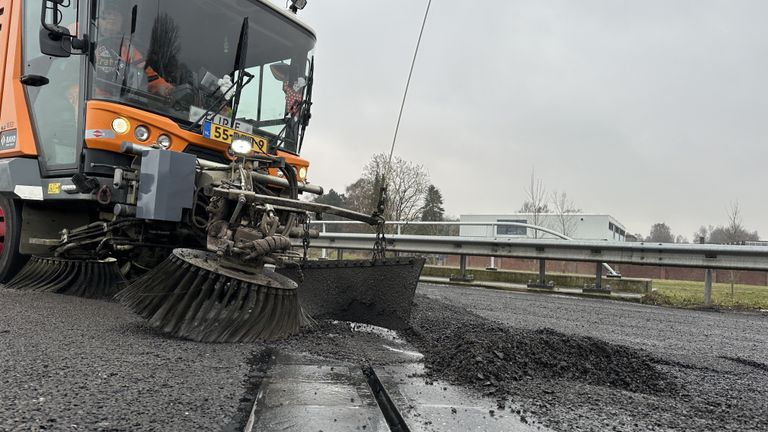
(302, 173)
(141, 133)
(121, 126)
(164, 141)
(241, 146)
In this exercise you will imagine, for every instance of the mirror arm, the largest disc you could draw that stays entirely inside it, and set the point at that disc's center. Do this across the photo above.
(80, 44)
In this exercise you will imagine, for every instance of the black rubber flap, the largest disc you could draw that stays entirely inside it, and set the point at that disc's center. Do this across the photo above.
(376, 292)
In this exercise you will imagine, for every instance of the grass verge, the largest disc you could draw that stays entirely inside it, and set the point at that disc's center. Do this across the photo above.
(688, 294)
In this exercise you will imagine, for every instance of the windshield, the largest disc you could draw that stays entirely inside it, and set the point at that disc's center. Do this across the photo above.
(178, 58)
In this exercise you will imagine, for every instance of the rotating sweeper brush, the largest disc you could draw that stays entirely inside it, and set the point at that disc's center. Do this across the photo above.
(83, 278)
(193, 295)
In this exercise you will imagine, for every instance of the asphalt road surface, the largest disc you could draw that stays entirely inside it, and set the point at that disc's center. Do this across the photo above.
(718, 360)
(73, 364)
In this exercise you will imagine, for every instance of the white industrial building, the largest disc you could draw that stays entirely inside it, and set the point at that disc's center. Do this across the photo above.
(581, 226)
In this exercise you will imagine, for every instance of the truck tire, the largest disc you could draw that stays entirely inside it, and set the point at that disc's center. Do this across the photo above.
(11, 261)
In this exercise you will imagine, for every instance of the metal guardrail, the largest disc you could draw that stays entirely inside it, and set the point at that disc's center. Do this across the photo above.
(658, 254)
(398, 225)
(705, 256)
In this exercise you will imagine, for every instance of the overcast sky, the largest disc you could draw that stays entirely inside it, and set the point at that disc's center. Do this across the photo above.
(651, 111)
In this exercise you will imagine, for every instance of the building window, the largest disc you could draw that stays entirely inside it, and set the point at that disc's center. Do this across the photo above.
(511, 230)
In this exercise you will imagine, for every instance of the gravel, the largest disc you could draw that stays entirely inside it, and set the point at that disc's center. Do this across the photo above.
(355, 344)
(707, 370)
(467, 349)
(73, 364)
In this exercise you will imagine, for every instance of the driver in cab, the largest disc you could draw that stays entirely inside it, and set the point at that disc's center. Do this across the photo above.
(116, 56)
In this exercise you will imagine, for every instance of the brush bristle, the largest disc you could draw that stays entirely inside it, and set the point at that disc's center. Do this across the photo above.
(188, 301)
(89, 279)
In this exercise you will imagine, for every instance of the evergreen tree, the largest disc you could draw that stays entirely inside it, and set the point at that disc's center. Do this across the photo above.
(332, 198)
(433, 211)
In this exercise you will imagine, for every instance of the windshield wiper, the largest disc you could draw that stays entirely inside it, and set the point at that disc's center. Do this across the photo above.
(240, 59)
(306, 111)
(127, 71)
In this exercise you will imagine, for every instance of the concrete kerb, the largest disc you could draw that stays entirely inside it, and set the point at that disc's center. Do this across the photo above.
(524, 289)
(566, 282)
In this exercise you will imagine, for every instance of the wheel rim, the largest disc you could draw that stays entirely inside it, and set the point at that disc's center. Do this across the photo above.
(2, 230)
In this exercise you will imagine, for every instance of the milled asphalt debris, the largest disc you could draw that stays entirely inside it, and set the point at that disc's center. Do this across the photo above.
(709, 365)
(467, 349)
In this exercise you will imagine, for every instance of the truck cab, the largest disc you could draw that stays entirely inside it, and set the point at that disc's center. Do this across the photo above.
(81, 78)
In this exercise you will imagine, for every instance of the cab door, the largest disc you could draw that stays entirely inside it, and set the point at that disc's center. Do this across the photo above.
(56, 108)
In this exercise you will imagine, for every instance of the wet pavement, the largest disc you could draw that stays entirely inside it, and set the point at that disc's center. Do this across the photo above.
(304, 395)
(310, 384)
(301, 393)
(429, 405)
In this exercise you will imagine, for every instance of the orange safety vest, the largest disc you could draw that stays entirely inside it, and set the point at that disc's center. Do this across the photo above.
(105, 62)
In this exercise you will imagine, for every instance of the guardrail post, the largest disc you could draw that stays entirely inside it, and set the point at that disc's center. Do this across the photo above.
(492, 267)
(339, 254)
(599, 277)
(598, 287)
(463, 276)
(542, 282)
(708, 287)
(324, 251)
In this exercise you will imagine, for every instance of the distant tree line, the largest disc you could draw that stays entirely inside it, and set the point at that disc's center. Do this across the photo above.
(733, 232)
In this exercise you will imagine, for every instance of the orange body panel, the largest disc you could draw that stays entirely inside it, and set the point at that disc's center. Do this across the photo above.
(14, 110)
(14, 113)
(100, 114)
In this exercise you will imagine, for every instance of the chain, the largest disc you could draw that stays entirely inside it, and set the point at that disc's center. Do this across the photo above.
(305, 237)
(380, 246)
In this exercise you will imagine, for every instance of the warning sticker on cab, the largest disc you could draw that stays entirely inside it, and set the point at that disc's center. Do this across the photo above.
(8, 140)
(227, 135)
(54, 188)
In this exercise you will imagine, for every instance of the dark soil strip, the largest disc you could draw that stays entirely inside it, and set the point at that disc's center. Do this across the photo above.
(388, 408)
(745, 362)
(466, 349)
(260, 362)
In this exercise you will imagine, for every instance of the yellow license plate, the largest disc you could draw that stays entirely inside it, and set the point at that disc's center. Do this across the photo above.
(227, 135)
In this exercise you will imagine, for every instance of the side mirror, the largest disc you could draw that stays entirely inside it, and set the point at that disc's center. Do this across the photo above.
(55, 40)
(56, 43)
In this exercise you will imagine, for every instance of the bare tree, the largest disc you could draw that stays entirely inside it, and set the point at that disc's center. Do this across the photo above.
(407, 184)
(536, 201)
(734, 220)
(734, 231)
(702, 235)
(565, 213)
